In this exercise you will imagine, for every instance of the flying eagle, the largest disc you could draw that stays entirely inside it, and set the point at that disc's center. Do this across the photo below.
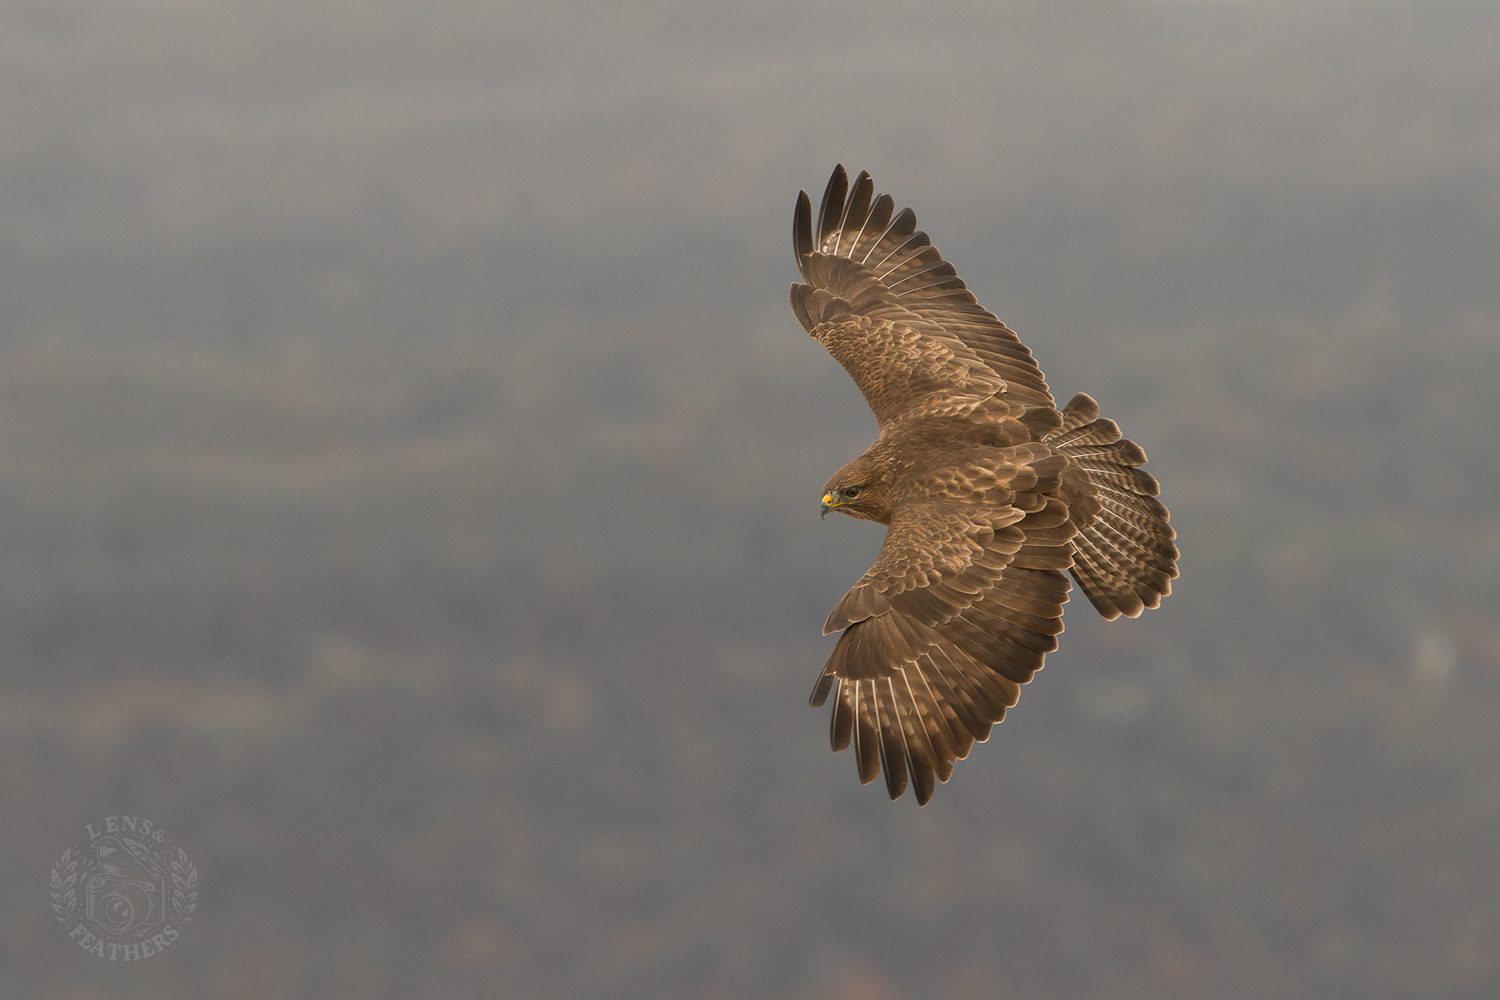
(989, 493)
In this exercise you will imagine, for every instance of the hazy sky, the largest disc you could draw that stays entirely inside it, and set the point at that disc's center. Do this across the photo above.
(409, 472)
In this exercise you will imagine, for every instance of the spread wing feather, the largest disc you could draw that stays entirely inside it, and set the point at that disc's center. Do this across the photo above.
(912, 286)
(958, 612)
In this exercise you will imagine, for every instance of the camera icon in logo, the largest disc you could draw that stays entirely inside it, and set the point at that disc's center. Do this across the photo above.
(128, 893)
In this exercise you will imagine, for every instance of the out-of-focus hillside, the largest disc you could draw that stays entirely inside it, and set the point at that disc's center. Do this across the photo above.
(409, 469)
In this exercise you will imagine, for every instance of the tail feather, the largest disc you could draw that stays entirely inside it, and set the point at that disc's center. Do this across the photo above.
(1125, 556)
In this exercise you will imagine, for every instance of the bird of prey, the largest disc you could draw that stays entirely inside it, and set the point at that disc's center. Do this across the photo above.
(989, 493)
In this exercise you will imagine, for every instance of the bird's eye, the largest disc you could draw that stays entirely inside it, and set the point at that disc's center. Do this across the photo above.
(851, 492)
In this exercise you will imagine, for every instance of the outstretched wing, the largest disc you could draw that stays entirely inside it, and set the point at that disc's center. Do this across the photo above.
(897, 316)
(959, 610)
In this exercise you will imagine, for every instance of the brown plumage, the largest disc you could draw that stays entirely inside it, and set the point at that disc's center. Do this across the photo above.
(989, 492)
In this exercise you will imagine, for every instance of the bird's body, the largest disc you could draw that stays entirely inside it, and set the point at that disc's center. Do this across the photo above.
(989, 491)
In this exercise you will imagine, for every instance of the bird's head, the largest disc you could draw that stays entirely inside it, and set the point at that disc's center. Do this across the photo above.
(859, 490)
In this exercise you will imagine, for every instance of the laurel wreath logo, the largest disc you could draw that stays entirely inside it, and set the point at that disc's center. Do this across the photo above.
(184, 887)
(65, 887)
(123, 896)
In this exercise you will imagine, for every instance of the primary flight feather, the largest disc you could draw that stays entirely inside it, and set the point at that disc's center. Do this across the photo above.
(989, 493)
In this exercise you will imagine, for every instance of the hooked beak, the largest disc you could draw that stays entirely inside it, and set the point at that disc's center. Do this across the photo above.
(828, 504)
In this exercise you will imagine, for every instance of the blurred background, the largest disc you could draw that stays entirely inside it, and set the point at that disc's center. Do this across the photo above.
(409, 477)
